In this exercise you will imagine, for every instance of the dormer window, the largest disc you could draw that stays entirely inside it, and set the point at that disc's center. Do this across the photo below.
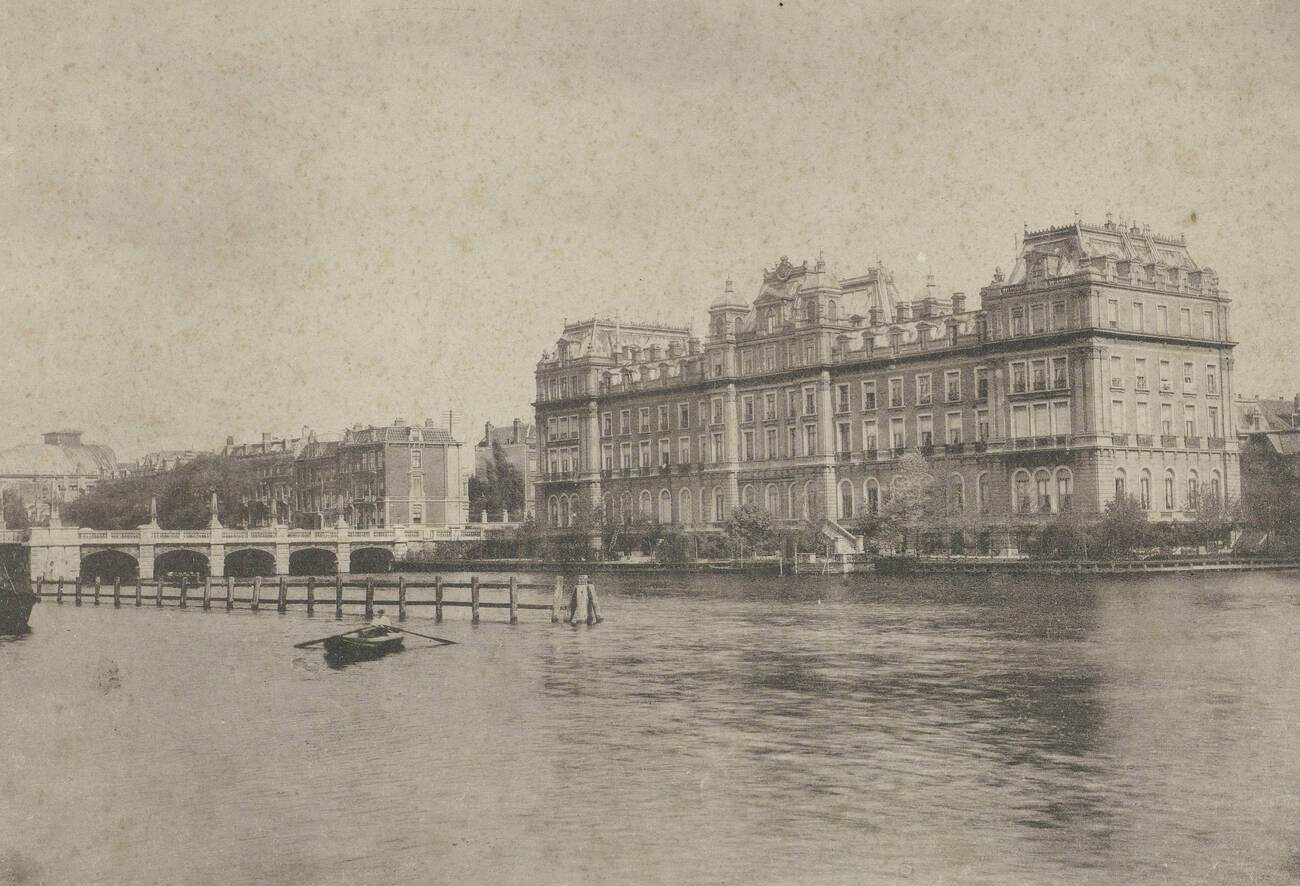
(770, 320)
(810, 309)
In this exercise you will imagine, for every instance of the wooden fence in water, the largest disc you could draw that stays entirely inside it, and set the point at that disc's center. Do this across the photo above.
(574, 605)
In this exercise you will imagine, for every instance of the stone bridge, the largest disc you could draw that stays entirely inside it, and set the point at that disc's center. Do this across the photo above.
(59, 551)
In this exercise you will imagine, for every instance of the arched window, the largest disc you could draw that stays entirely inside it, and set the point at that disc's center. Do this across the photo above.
(647, 504)
(846, 499)
(832, 312)
(810, 309)
(809, 500)
(1169, 490)
(665, 506)
(871, 495)
(1121, 483)
(625, 511)
(1144, 490)
(573, 509)
(1043, 492)
(564, 510)
(956, 494)
(747, 495)
(1021, 503)
(789, 500)
(719, 505)
(769, 320)
(553, 511)
(1064, 489)
(1193, 491)
(684, 514)
(773, 500)
(982, 493)
(1216, 488)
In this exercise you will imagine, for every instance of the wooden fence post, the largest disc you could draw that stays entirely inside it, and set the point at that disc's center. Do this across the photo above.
(311, 594)
(207, 592)
(557, 601)
(370, 597)
(185, 591)
(257, 592)
(514, 600)
(97, 590)
(593, 606)
(578, 614)
(76, 592)
(39, 589)
(58, 592)
(401, 598)
(139, 590)
(473, 598)
(437, 599)
(282, 597)
(117, 593)
(338, 595)
(230, 593)
(158, 592)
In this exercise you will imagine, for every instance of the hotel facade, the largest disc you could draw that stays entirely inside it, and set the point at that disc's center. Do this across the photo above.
(1099, 367)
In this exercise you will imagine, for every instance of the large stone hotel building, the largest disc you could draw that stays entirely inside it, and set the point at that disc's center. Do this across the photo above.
(1100, 366)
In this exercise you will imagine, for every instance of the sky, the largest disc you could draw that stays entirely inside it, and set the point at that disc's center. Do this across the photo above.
(235, 218)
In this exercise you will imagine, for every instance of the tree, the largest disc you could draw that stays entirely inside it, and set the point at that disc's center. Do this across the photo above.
(1214, 520)
(184, 497)
(501, 488)
(1068, 536)
(15, 510)
(1123, 528)
(675, 548)
(751, 526)
(914, 503)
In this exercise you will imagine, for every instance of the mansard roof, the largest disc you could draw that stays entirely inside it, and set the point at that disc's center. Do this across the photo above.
(1066, 249)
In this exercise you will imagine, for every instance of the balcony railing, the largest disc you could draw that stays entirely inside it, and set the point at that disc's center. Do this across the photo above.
(1144, 441)
(954, 448)
(869, 454)
(1119, 439)
(1192, 442)
(981, 446)
(1043, 442)
(1168, 441)
(844, 456)
(1215, 442)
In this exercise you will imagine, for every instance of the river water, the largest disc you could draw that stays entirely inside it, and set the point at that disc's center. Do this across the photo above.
(712, 730)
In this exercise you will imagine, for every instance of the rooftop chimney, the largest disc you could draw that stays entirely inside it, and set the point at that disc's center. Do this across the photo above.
(904, 310)
(877, 315)
(958, 302)
(514, 434)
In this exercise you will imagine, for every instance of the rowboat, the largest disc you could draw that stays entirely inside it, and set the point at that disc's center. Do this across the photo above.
(15, 605)
(371, 643)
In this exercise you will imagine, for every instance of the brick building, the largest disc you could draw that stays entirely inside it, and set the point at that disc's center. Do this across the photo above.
(1101, 365)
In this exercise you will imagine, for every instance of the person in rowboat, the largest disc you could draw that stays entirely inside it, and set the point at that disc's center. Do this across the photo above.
(379, 624)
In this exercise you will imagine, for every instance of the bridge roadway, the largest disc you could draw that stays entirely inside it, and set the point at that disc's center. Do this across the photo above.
(58, 551)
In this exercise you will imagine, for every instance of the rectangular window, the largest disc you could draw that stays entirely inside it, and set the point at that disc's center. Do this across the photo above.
(1019, 378)
(1143, 417)
(1060, 374)
(1017, 321)
(606, 424)
(1042, 420)
(1185, 322)
(415, 458)
(981, 383)
(1207, 325)
(1038, 369)
(552, 433)
(895, 393)
(769, 357)
(1189, 420)
(791, 402)
(1116, 371)
(923, 389)
(868, 395)
(1214, 421)
(625, 455)
(1020, 422)
(1189, 376)
(842, 398)
(607, 456)
(1166, 383)
(702, 449)
(769, 406)
(952, 385)
(925, 430)
(1038, 318)
(1140, 373)
(1112, 313)
(810, 439)
(663, 417)
(1166, 418)
(1139, 317)
(747, 445)
(715, 411)
(1117, 424)
(1059, 315)
(869, 440)
(771, 443)
(747, 361)
(810, 400)
(644, 452)
(747, 408)
(643, 419)
(897, 433)
(1162, 319)
(665, 452)
(844, 437)
(683, 450)
(717, 446)
(809, 353)
(791, 441)
(982, 424)
(1061, 425)
(952, 422)
(625, 421)
(683, 415)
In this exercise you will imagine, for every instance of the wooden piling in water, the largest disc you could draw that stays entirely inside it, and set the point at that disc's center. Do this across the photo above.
(76, 592)
(578, 611)
(39, 590)
(437, 598)
(557, 600)
(58, 592)
(257, 592)
(157, 592)
(230, 593)
(282, 596)
(185, 592)
(401, 598)
(338, 595)
(117, 593)
(139, 591)
(207, 592)
(370, 597)
(514, 600)
(473, 598)
(311, 594)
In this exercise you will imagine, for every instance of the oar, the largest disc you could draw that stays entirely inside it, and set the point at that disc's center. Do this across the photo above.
(444, 642)
(323, 639)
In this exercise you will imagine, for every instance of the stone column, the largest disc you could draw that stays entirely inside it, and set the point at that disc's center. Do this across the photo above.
(731, 446)
(999, 407)
(826, 447)
(589, 455)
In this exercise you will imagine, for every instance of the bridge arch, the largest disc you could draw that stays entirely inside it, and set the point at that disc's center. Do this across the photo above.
(108, 565)
(370, 559)
(248, 562)
(180, 560)
(313, 561)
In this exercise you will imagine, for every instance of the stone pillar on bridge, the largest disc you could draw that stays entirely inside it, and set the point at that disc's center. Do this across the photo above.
(342, 548)
(281, 549)
(399, 543)
(216, 543)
